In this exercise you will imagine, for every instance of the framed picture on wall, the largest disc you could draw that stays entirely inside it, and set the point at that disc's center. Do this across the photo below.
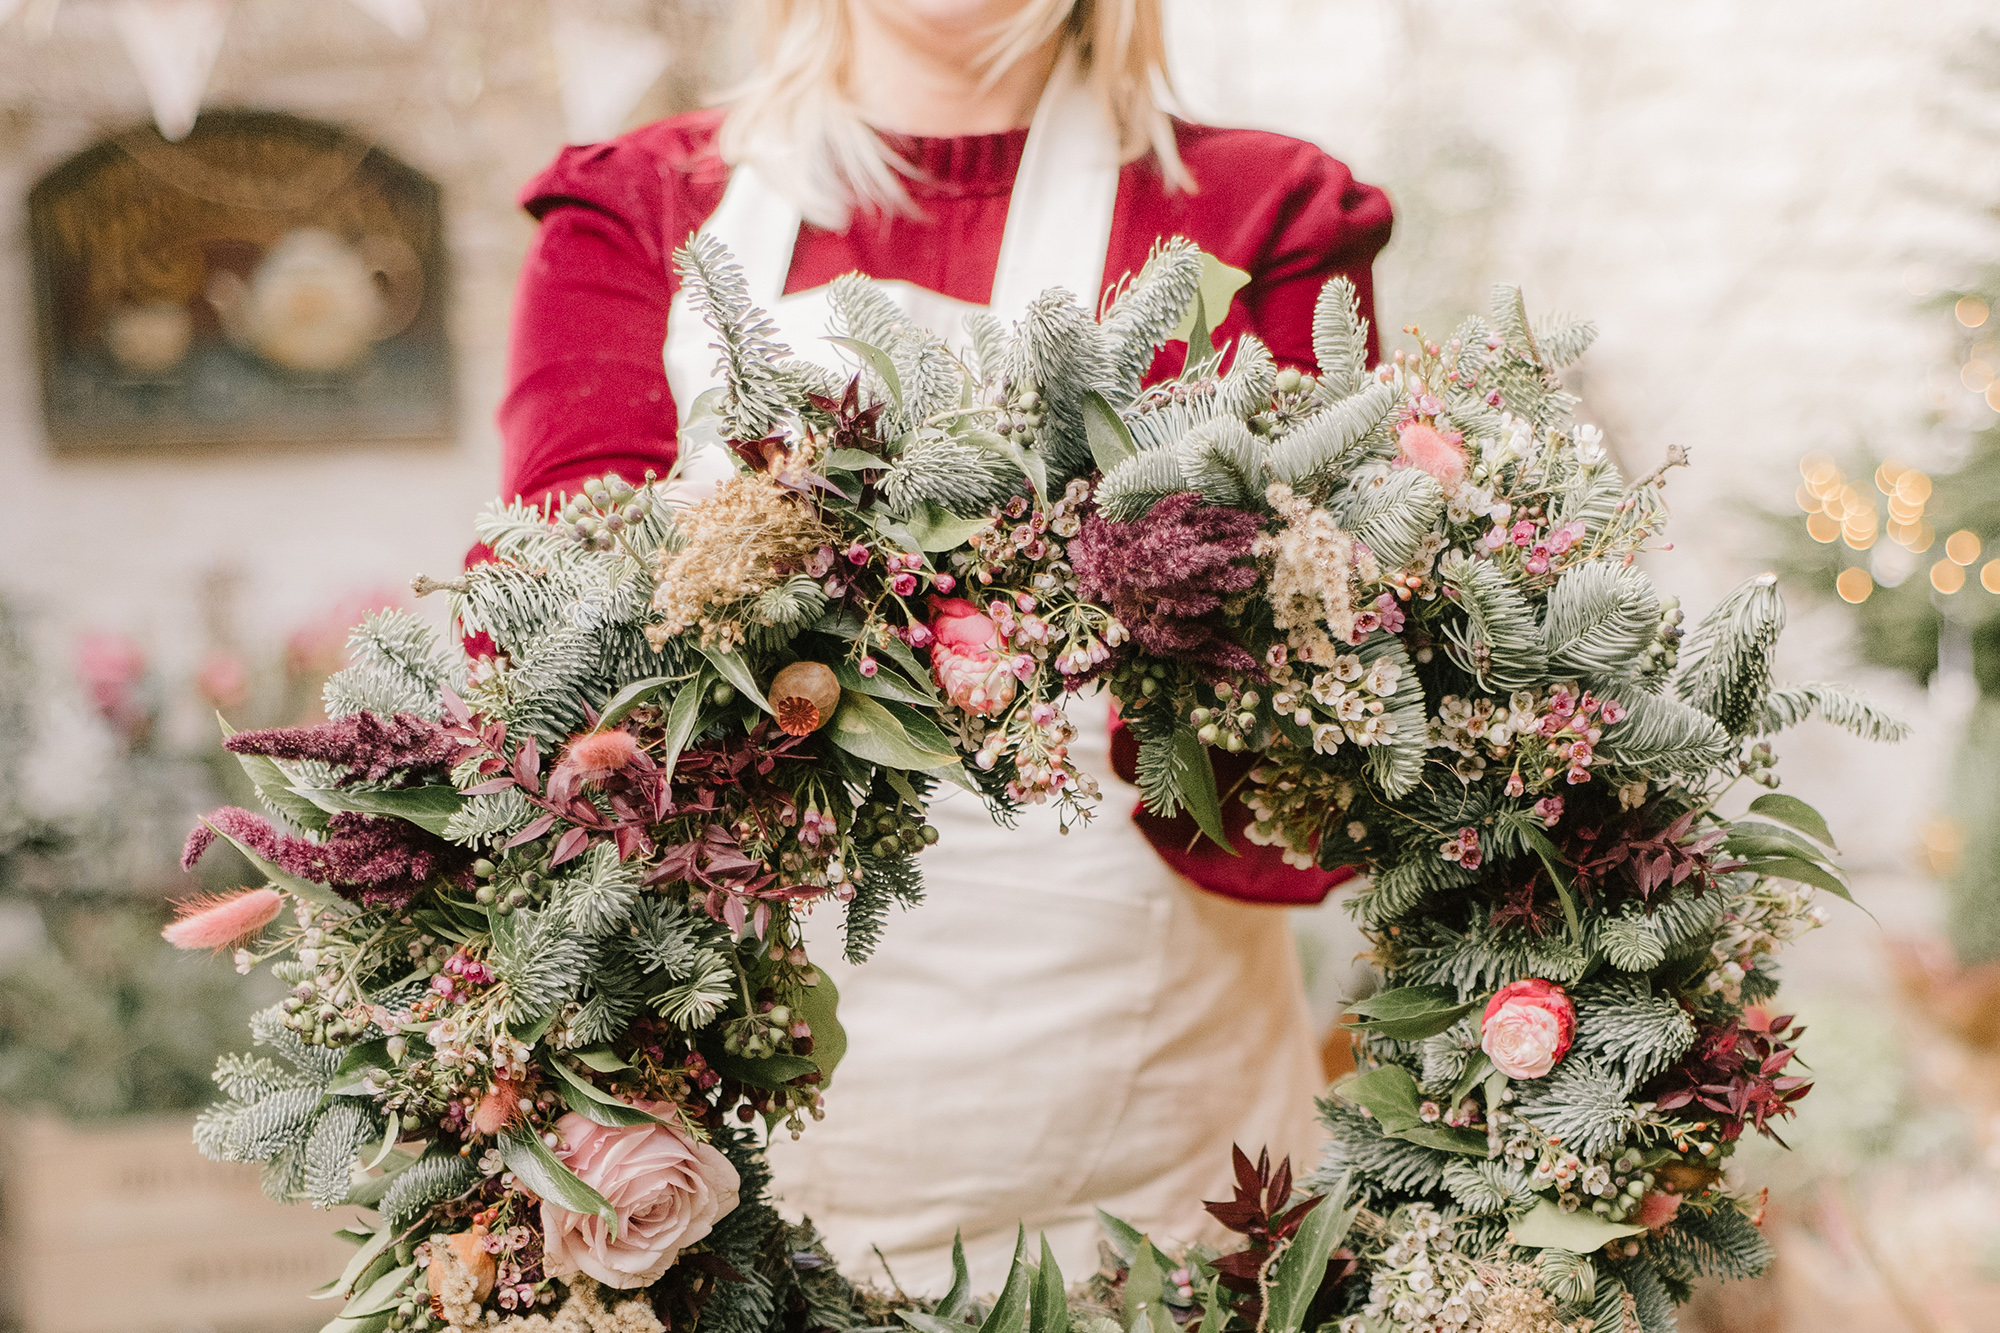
(266, 280)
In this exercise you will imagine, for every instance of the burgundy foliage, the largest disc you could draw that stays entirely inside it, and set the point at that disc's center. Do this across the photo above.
(370, 860)
(369, 747)
(1165, 575)
(1620, 854)
(1737, 1070)
(1258, 1212)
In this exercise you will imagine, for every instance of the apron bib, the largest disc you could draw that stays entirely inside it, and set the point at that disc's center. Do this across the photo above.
(1065, 1021)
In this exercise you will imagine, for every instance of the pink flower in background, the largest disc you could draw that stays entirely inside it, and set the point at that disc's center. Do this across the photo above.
(223, 679)
(1441, 454)
(1527, 1027)
(319, 647)
(668, 1190)
(112, 670)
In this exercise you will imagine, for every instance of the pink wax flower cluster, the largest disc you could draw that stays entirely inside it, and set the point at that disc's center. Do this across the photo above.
(1527, 1027)
(1572, 726)
(1462, 849)
(460, 974)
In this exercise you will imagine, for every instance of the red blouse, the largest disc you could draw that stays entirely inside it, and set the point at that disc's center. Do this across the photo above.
(587, 390)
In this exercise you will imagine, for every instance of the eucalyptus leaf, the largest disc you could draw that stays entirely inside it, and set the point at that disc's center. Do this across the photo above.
(1794, 813)
(381, 1294)
(934, 529)
(629, 698)
(1411, 1013)
(732, 668)
(1547, 1227)
(820, 1007)
(1048, 1303)
(357, 1265)
(1296, 1276)
(1552, 862)
(537, 1168)
(865, 728)
(1799, 871)
(430, 807)
(603, 1059)
(1010, 1309)
(882, 685)
(878, 361)
(595, 1104)
(1110, 440)
(957, 1302)
(1198, 791)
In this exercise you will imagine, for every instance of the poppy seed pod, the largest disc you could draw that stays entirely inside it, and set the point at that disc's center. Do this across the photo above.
(804, 695)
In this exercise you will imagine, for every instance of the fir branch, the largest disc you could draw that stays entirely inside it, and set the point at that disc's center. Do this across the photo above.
(883, 881)
(1394, 513)
(1624, 1022)
(1728, 671)
(397, 664)
(1246, 389)
(1339, 341)
(1147, 311)
(694, 1001)
(1563, 340)
(596, 897)
(1397, 764)
(1583, 1103)
(336, 1140)
(1376, 1166)
(1129, 491)
(1718, 1242)
(488, 818)
(1600, 616)
(1329, 443)
(747, 348)
(539, 962)
(1661, 737)
(957, 474)
(1498, 644)
(1060, 352)
(1787, 707)
(428, 1180)
(1484, 1188)
(1224, 462)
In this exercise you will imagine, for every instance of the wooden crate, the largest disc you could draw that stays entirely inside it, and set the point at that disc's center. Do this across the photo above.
(125, 1228)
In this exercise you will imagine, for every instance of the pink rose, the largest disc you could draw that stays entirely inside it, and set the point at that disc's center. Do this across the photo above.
(1527, 1027)
(668, 1191)
(1439, 454)
(959, 625)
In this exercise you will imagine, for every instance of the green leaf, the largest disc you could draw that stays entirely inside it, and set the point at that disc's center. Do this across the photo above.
(604, 1060)
(1048, 1304)
(345, 1081)
(770, 1072)
(878, 360)
(1475, 1074)
(390, 1134)
(934, 529)
(915, 672)
(630, 698)
(429, 807)
(930, 1323)
(868, 730)
(1033, 466)
(1748, 838)
(1296, 1277)
(373, 1323)
(683, 717)
(732, 668)
(356, 1266)
(317, 894)
(1411, 1013)
(957, 1302)
(820, 1007)
(1552, 862)
(1216, 288)
(1197, 785)
(881, 685)
(381, 1294)
(1547, 1227)
(595, 1104)
(1110, 441)
(1794, 813)
(1390, 1095)
(1010, 1309)
(537, 1168)
(1802, 872)
(1145, 1309)
(1126, 1240)
(855, 460)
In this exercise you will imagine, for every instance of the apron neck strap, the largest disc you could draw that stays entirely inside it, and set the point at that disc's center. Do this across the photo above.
(1058, 216)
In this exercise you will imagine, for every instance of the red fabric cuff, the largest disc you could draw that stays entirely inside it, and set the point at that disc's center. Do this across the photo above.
(1256, 874)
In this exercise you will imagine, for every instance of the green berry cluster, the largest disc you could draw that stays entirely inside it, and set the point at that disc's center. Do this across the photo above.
(603, 507)
(1020, 414)
(1759, 765)
(1291, 399)
(888, 830)
(514, 883)
(1231, 723)
(1663, 654)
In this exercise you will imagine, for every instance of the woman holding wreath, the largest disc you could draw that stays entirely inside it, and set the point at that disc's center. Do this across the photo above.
(1069, 1022)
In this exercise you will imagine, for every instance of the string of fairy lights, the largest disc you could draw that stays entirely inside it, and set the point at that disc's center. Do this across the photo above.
(1838, 509)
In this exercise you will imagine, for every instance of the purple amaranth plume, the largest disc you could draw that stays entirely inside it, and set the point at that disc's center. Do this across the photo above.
(366, 859)
(370, 747)
(1164, 576)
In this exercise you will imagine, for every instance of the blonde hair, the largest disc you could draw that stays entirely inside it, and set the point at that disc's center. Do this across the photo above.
(794, 116)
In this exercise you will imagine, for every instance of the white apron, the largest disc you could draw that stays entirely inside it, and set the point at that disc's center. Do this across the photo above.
(1065, 1022)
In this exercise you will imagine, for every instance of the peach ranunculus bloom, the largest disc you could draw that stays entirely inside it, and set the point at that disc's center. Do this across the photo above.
(669, 1191)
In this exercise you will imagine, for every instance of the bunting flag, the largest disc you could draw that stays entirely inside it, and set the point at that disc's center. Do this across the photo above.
(405, 18)
(604, 69)
(173, 45)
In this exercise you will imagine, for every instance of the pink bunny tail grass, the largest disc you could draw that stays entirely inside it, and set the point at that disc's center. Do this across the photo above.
(218, 922)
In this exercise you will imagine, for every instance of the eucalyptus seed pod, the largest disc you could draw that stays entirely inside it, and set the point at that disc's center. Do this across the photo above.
(804, 696)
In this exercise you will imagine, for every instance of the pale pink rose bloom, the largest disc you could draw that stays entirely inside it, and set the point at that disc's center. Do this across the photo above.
(1527, 1027)
(669, 1191)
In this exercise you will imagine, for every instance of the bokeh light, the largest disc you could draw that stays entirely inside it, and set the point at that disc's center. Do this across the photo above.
(1971, 311)
(1962, 547)
(1947, 577)
(1989, 577)
(1854, 585)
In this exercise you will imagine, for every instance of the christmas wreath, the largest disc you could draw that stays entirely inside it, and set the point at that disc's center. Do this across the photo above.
(540, 908)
